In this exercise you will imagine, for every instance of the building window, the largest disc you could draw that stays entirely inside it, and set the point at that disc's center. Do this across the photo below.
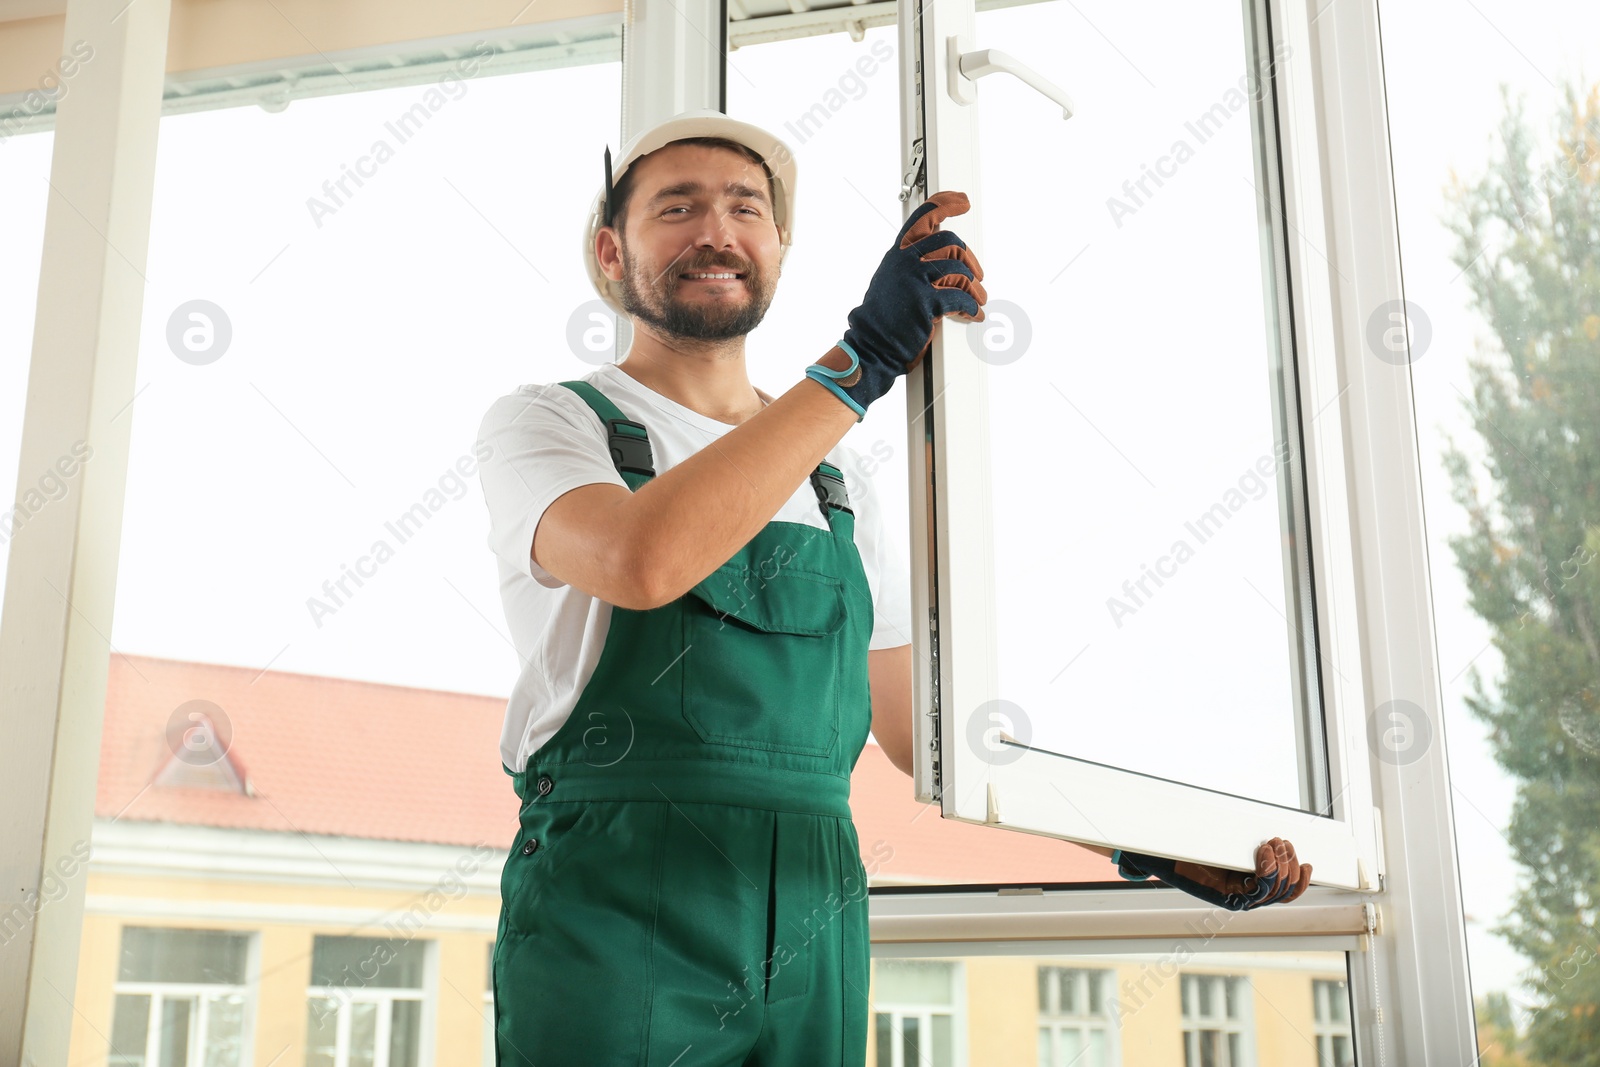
(914, 1012)
(1215, 1021)
(181, 998)
(364, 1006)
(1331, 1009)
(1074, 1018)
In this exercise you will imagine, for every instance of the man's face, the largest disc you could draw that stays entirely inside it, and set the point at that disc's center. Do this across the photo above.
(697, 209)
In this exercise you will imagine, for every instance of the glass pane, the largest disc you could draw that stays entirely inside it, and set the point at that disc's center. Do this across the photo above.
(322, 1031)
(1045, 978)
(1495, 184)
(910, 1040)
(24, 189)
(1070, 1045)
(912, 981)
(359, 961)
(1134, 361)
(1206, 987)
(1143, 1000)
(225, 1031)
(363, 1034)
(1069, 991)
(130, 1030)
(351, 395)
(849, 213)
(404, 1033)
(883, 1036)
(1233, 993)
(151, 954)
(943, 1040)
(1338, 1002)
(177, 1015)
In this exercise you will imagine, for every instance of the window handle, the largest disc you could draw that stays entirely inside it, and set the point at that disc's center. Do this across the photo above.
(966, 67)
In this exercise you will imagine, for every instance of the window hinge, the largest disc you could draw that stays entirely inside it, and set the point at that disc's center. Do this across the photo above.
(916, 177)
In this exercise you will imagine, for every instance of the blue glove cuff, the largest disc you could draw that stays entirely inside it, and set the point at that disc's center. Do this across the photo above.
(827, 377)
(855, 361)
(1116, 857)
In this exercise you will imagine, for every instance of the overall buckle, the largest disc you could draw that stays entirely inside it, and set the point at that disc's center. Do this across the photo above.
(828, 481)
(630, 447)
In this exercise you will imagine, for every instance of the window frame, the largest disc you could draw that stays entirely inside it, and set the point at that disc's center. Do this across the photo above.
(198, 992)
(159, 991)
(898, 1010)
(346, 996)
(1408, 953)
(1243, 1024)
(1333, 208)
(1327, 1030)
(947, 403)
(1086, 1021)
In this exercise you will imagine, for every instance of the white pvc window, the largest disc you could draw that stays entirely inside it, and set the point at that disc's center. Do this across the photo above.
(1031, 434)
(1216, 1026)
(181, 999)
(1074, 1017)
(365, 1004)
(1200, 717)
(915, 1014)
(1331, 1019)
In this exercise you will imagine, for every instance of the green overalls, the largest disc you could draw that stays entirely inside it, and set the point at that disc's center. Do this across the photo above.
(686, 888)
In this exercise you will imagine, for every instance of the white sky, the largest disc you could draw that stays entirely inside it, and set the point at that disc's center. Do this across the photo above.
(364, 352)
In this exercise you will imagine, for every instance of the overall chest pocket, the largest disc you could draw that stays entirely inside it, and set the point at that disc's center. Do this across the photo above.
(762, 660)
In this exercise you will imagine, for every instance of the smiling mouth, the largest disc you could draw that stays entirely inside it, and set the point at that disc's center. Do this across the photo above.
(736, 277)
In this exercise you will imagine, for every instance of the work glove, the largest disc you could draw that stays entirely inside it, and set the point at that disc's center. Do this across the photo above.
(1279, 876)
(928, 274)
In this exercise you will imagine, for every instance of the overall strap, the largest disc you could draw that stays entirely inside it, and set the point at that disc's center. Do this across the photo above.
(630, 451)
(828, 481)
(630, 443)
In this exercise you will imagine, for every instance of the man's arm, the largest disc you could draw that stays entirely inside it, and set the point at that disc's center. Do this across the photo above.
(643, 549)
(889, 671)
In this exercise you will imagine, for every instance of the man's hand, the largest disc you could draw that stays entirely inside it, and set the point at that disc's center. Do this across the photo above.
(1279, 876)
(928, 274)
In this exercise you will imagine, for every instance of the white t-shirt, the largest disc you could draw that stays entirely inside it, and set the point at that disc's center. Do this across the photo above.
(545, 441)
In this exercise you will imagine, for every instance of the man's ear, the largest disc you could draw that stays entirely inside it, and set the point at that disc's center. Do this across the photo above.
(600, 244)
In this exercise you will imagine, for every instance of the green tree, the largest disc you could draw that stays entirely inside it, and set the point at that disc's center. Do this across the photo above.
(1528, 244)
(1498, 1039)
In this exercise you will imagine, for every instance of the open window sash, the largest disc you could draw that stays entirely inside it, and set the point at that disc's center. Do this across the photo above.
(1032, 789)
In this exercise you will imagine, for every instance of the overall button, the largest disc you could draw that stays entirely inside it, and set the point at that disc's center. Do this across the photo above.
(528, 846)
(545, 784)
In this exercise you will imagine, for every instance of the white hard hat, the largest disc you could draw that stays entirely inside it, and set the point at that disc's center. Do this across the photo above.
(706, 122)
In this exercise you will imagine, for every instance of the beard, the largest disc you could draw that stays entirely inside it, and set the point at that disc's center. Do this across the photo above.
(665, 307)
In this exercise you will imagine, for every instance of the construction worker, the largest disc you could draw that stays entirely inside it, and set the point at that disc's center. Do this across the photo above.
(709, 627)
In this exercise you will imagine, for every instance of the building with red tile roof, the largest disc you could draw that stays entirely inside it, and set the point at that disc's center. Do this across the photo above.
(211, 745)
